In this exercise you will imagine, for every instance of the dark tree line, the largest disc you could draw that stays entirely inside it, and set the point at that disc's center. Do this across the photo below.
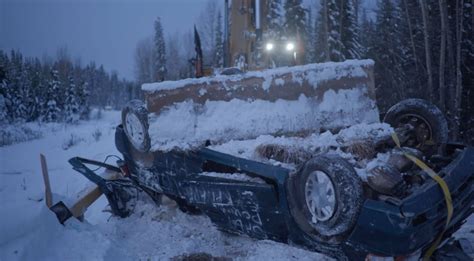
(425, 49)
(56, 91)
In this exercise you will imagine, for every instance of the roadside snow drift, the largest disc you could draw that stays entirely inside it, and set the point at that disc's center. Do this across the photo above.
(29, 231)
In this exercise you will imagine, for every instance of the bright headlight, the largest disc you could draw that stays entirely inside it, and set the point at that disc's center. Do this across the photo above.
(269, 46)
(290, 46)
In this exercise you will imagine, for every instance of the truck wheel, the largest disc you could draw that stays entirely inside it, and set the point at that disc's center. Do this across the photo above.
(325, 198)
(135, 124)
(430, 125)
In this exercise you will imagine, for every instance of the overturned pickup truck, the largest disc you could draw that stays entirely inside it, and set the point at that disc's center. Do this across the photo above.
(296, 155)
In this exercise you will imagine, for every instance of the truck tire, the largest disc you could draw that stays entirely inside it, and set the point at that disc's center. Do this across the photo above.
(325, 198)
(135, 124)
(431, 127)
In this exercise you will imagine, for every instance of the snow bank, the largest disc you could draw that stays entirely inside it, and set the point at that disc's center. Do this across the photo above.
(326, 71)
(234, 176)
(19, 132)
(29, 231)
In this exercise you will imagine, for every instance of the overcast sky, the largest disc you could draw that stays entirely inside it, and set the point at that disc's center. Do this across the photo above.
(104, 31)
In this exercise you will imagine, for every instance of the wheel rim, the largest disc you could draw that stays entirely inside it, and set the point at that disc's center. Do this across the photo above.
(422, 128)
(134, 130)
(320, 196)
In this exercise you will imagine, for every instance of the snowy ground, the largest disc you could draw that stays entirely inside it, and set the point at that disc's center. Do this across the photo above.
(29, 231)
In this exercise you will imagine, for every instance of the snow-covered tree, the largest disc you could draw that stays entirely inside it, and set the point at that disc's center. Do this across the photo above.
(310, 56)
(206, 25)
(3, 106)
(349, 29)
(17, 87)
(295, 19)
(71, 104)
(3, 88)
(388, 54)
(160, 69)
(51, 111)
(82, 96)
(274, 20)
(329, 45)
(219, 44)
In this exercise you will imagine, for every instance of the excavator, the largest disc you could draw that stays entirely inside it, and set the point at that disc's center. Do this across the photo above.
(293, 153)
(247, 45)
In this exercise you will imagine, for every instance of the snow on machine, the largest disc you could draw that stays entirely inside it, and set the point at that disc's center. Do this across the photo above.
(296, 155)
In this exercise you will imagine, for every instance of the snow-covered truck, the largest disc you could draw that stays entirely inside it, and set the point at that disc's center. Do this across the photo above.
(296, 155)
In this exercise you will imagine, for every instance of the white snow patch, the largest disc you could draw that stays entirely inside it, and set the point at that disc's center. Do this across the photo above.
(326, 142)
(202, 91)
(186, 124)
(279, 81)
(325, 72)
(234, 176)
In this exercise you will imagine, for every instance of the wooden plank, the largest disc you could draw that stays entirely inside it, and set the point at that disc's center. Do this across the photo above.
(47, 186)
(80, 206)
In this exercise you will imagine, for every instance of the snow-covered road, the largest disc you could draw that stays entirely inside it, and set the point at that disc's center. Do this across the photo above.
(29, 231)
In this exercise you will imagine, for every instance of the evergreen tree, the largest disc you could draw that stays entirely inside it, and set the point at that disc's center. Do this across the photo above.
(295, 17)
(329, 46)
(3, 87)
(219, 48)
(295, 26)
(51, 111)
(467, 54)
(159, 53)
(388, 55)
(71, 104)
(411, 40)
(274, 20)
(3, 103)
(367, 32)
(348, 31)
(30, 90)
(310, 56)
(206, 26)
(83, 101)
(17, 87)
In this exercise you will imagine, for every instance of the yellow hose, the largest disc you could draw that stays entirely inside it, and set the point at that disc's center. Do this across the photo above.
(444, 188)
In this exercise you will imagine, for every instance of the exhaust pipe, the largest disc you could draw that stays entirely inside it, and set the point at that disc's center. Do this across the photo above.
(226, 33)
(257, 19)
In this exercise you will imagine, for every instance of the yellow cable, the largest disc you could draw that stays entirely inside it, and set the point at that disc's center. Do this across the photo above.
(444, 188)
